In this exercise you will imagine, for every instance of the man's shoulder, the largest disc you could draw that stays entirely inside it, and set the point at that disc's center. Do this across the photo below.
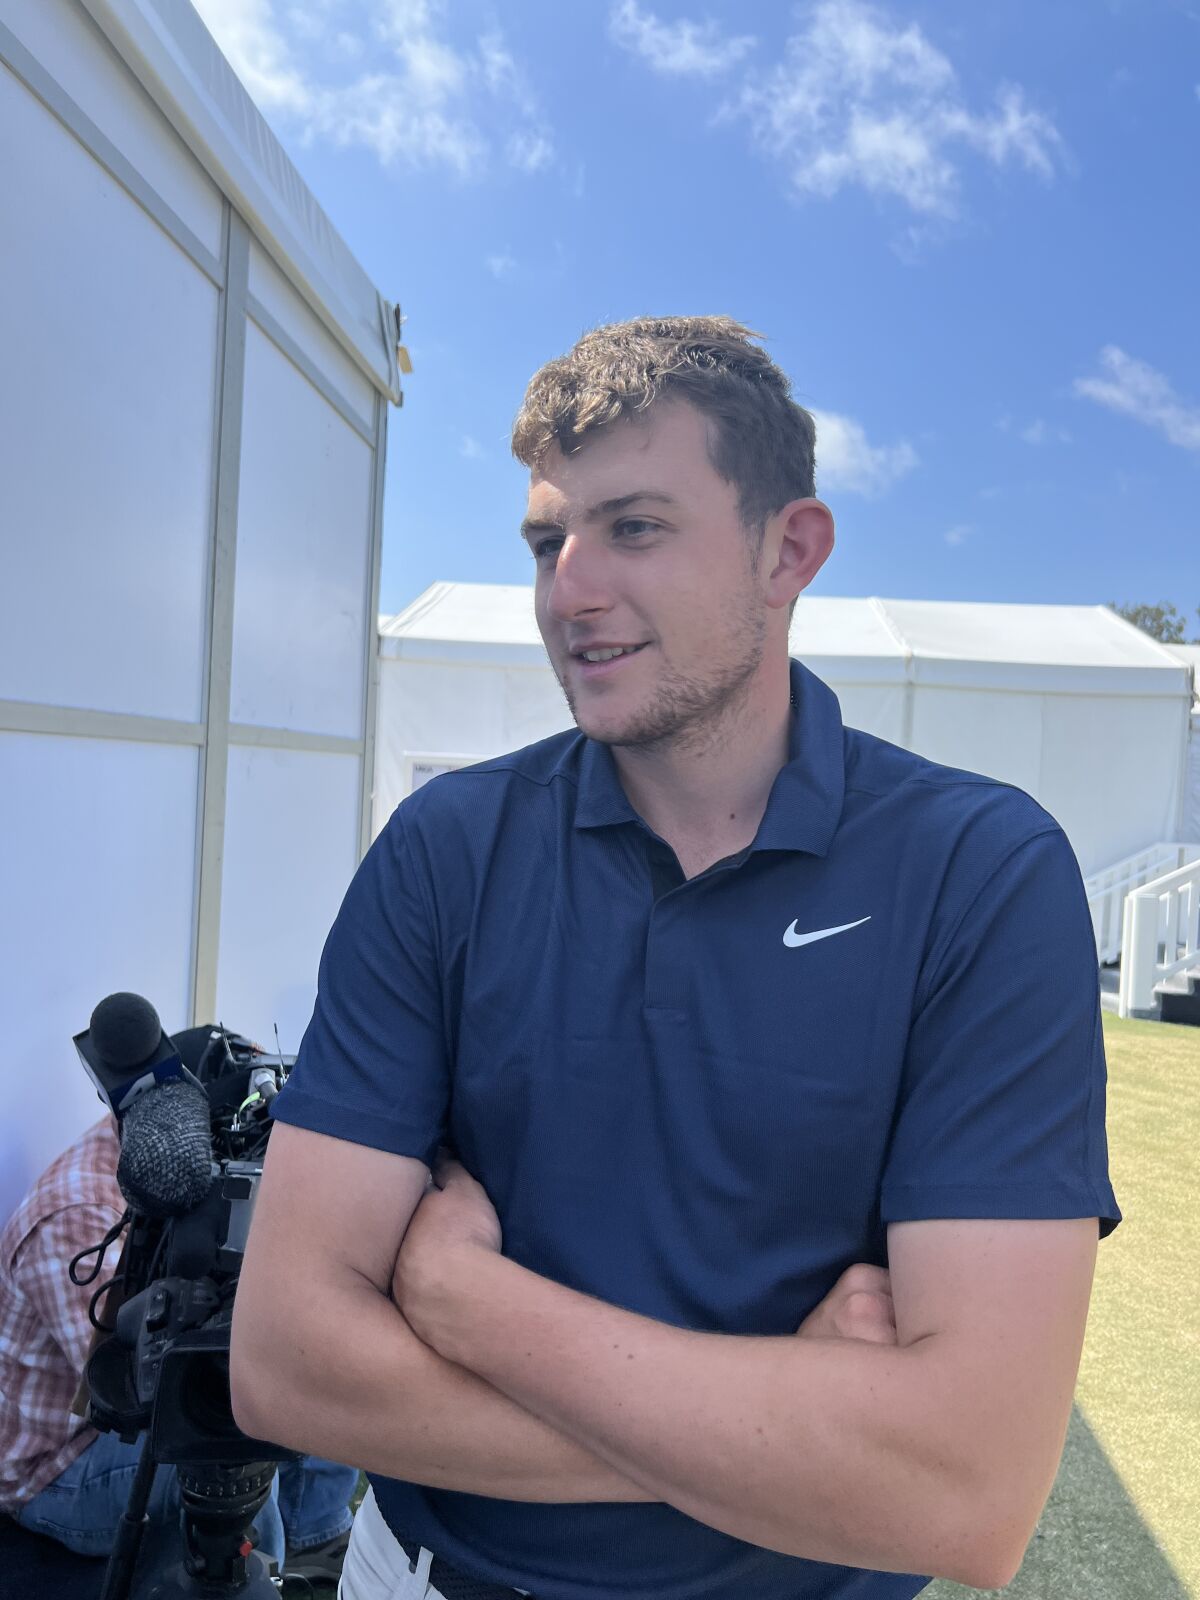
(489, 783)
(461, 815)
(948, 804)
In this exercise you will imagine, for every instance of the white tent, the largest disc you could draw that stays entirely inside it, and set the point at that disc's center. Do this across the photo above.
(195, 375)
(1189, 654)
(1070, 703)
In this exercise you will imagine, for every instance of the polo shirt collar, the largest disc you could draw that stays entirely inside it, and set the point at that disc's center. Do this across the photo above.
(805, 803)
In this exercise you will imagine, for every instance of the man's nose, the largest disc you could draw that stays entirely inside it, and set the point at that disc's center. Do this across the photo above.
(580, 582)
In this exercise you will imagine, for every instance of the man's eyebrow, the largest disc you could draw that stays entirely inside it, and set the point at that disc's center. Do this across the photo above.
(539, 525)
(605, 508)
(602, 508)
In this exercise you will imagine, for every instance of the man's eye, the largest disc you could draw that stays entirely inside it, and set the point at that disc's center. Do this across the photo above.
(545, 547)
(633, 525)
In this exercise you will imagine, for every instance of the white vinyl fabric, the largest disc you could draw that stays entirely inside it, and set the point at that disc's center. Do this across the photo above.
(1189, 654)
(1070, 703)
(304, 512)
(194, 374)
(175, 58)
(95, 472)
(283, 884)
(96, 881)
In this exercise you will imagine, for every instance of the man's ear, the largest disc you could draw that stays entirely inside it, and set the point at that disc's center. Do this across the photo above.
(797, 540)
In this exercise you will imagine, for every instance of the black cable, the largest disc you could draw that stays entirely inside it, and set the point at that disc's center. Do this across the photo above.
(102, 1327)
(99, 1251)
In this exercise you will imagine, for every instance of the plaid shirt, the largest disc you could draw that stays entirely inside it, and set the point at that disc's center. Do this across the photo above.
(44, 1328)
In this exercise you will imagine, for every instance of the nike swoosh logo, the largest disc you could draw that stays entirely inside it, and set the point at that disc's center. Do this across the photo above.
(794, 940)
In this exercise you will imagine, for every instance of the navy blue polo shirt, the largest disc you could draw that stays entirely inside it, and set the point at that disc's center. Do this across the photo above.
(703, 1099)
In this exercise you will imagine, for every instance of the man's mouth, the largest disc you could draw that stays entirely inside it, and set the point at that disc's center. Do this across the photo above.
(604, 659)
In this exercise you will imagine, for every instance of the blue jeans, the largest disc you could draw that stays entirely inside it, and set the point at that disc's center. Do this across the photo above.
(310, 1501)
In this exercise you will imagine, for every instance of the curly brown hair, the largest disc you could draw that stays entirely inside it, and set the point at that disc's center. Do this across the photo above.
(761, 441)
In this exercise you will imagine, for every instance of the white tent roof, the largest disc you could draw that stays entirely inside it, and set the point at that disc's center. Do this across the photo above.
(173, 55)
(1067, 649)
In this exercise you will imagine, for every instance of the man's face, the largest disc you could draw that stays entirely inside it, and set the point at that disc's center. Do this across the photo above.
(638, 543)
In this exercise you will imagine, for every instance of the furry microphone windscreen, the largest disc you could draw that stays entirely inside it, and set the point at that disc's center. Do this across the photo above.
(165, 1167)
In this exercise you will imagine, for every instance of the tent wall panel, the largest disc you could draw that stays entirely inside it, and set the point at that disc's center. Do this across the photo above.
(532, 702)
(187, 609)
(272, 290)
(107, 487)
(283, 883)
(1111, 773)
(999, 735)
(482, 711)
(70, 47)
(304, 532)
(96, 881)
(878, 708)
(1189, 831)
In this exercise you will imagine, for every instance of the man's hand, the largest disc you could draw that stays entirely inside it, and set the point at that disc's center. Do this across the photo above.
(453, 1222)
(454, 1219)
(859, 1306)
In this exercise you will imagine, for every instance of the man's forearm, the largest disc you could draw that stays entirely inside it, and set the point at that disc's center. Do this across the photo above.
(360, 1387)
(825, 1448)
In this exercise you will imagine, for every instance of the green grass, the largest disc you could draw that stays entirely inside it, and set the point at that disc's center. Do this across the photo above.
(1123, 1520)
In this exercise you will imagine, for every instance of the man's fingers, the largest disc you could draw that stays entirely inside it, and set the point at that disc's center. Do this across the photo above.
(446, 1169)
(863, 1276)
(867, 1314)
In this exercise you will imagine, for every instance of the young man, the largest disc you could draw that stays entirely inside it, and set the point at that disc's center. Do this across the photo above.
(720, 1004)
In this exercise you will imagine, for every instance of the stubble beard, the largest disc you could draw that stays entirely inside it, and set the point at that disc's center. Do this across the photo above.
(690, 711)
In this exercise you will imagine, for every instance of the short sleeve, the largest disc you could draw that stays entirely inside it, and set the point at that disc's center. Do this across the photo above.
(1001, 1112)
(373, 1063)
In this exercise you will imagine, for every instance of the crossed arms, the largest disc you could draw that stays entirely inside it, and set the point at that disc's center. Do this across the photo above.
(445, 1363)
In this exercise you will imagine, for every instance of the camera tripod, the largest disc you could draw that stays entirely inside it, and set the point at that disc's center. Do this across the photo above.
(220, 1501)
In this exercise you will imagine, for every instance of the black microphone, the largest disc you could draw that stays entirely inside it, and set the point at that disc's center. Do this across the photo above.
(166, 1167)
(125, 1051)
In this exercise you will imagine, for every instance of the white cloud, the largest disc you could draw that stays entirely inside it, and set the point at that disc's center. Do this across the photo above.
(470, 449)
(1136, 389)
(414, 98)
(1039, 432)
(846, 460)
(679, 49)
(529, 152)
(248, 37)
(500, 265)
(860, 100)
(958, 533)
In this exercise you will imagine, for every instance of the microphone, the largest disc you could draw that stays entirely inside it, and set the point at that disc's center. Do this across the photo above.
(165, 1167)
(125, 1051)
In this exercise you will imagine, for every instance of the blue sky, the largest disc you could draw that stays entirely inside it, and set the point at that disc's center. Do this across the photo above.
(970, 233)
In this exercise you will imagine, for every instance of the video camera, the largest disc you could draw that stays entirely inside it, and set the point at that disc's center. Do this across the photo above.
(194, 1120)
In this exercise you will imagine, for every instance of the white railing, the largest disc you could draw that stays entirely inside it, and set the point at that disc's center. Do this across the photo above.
(1161, 938)
(1106, 891)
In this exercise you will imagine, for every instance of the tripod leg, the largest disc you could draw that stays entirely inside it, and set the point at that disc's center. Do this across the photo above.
(118, 1575)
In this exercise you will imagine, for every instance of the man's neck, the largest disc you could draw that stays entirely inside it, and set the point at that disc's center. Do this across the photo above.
(714, 786)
